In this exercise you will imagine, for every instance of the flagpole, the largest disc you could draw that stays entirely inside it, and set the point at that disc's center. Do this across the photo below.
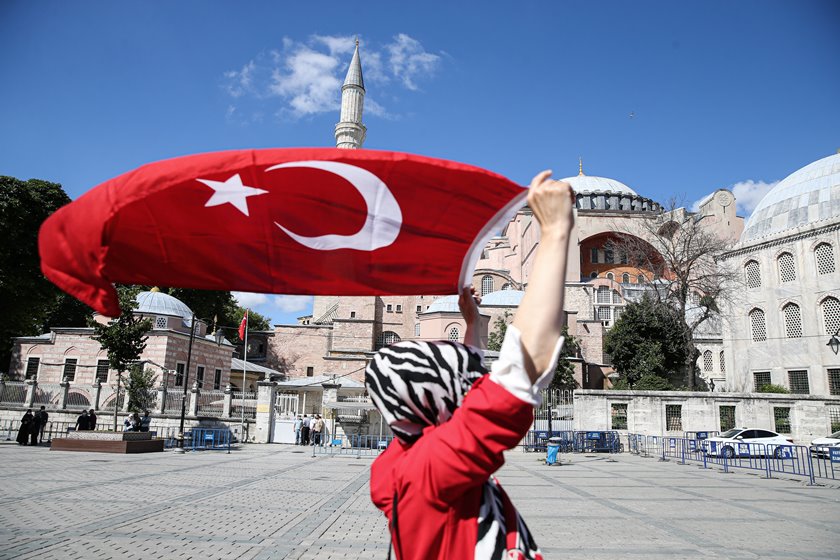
(244, 370)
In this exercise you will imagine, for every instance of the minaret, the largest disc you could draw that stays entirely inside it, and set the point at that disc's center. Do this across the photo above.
(350, 132)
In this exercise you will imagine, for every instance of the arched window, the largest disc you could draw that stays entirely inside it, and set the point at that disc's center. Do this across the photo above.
(625, 278)
(486, 284)
(825, 258)
(417, 329)
(793, 321)
(722, 363)
(831, 315)
(708, 365)
(454, 334)
(603, 294)
(387, 338)
(593, 275)
(610, 276)
(640, 279)
(787, 267)
(759, 328)
(753, 274)
(506, 286)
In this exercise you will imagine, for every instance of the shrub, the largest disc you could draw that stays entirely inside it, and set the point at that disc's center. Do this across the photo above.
(771, 388)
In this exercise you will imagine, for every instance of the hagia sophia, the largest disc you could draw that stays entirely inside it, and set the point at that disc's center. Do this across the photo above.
(778, 329)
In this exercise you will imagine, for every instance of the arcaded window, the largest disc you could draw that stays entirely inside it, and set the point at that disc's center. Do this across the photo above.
(722, 363)
(825, 258)
(793, 321)
(787, 267)
(387, 338)
(759, 327)
(454, 334)
(625, 278)
(831, 315)
(486, 285)
(753, 274)
(610, 276)
(708, 363)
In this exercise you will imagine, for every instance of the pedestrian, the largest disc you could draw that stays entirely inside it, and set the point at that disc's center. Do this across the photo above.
(43, 418)
(145, 421)
(91, 419)
(317, 429)
(453, 419)
(34, 429)
(83, 422)
(304, 430)
(298, 426)
(25, 425)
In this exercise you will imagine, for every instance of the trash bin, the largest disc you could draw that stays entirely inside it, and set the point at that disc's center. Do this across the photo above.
(552, 449)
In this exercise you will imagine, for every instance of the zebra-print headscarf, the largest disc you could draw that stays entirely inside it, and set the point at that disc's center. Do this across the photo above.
(416, 384)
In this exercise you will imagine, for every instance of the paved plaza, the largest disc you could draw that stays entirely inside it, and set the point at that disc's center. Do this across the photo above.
(274, 501)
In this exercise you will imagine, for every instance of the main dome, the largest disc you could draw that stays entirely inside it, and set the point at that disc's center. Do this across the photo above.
(590, 184)
(806, 196)
(158, 303)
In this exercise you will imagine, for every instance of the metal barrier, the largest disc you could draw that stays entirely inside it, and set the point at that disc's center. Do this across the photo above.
(537, 440)
(209, 438)
(357, 445)
(597, 442)
(701, 435)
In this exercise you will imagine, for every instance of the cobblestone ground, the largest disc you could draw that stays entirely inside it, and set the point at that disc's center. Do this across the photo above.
(273, 501)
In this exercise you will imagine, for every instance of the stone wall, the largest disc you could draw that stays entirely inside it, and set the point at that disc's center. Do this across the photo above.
(810, 416)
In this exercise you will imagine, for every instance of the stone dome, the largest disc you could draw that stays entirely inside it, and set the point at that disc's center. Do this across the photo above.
(446, 304)
(503, 298)
(591, 184)
(158, 303)
(805, 197)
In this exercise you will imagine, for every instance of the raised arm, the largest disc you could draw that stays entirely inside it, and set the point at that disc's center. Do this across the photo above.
(468, 303)
(539, 317)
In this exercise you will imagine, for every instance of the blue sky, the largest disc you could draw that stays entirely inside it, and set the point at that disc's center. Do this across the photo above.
(671, 98)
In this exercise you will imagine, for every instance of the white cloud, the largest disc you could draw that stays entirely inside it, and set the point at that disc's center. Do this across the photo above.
(292, 304)
(749, 193)
(306, 76)
(409, 61)
(250, 299)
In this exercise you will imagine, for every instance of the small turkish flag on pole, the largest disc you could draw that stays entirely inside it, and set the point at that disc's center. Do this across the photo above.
(243, 326)
(312, 221)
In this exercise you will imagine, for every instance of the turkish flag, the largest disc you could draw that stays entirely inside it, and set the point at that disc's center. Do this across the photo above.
(243, 326)
(287, 221)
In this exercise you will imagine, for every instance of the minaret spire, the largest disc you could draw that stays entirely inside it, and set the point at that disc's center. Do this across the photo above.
(350, 132)
(580, 167)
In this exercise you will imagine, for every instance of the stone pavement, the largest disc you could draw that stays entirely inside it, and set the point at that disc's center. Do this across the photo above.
(273, 501)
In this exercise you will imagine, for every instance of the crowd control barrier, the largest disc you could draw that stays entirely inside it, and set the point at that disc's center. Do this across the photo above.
(598, 442)
(354, 445)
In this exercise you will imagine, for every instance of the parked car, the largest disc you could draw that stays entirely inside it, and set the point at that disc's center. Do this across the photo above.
(746, 442)
(821, 447)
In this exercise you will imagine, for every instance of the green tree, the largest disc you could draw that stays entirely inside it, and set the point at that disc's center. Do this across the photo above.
(500, 325)
(564, 377)
(29, 301)
(140, 388)
(124, 338)
(771, 388)
(256, 322)
(648, 339)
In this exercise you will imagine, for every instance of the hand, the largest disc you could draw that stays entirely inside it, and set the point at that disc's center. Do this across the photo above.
(552, 203)
(468, 303)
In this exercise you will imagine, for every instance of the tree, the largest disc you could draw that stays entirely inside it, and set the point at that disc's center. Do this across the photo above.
(256, 322)
(29, 301)
(124, 338)
(648, 339)
(679, 251)
(500, 325)
(140, 388)
(564, 376)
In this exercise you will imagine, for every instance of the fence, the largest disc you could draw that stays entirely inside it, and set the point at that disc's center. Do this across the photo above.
(78, 400)
(810, 463)
(211, 403)
(174, 398)
(575, 441)
(48, 394)
(556, 413)
(357, 445)
(243, 402)
(14, 392)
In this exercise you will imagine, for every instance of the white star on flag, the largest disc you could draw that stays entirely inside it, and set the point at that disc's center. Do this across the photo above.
(231, 191)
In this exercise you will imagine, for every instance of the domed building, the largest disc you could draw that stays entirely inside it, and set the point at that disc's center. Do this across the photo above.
(787, 308)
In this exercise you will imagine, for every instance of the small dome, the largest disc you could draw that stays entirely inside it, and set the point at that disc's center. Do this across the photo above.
(446, 304)
(589, 184)
(158, 303)
(503, 298)
(806, 196)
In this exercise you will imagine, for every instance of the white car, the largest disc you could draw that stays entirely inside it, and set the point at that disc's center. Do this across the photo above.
(746, 442)
(821, 447)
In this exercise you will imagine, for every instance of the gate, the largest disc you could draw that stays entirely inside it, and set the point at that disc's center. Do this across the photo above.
(557, 412)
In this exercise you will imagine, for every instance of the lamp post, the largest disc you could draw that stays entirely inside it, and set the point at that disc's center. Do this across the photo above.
(186, 385)
(834, 342)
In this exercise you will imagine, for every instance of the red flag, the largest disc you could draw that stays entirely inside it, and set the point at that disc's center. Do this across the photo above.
(242, 326)
(287, 221)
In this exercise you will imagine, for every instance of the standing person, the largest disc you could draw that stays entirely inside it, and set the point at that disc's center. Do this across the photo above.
(298, 426)
(91, 420)
(453, 420)
(34, 429)
(43, 418)
(25, 425)
(145, 421)
(317, 428)
(82, 422)
(304, 430)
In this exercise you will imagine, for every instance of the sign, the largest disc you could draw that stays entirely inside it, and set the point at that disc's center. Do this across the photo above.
(835, 454)
(262, 407)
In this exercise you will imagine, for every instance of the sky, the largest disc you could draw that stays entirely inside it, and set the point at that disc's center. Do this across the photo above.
(674, 99)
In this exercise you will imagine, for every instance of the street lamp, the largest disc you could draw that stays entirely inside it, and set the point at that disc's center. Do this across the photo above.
(186, 386)
(834, 342)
